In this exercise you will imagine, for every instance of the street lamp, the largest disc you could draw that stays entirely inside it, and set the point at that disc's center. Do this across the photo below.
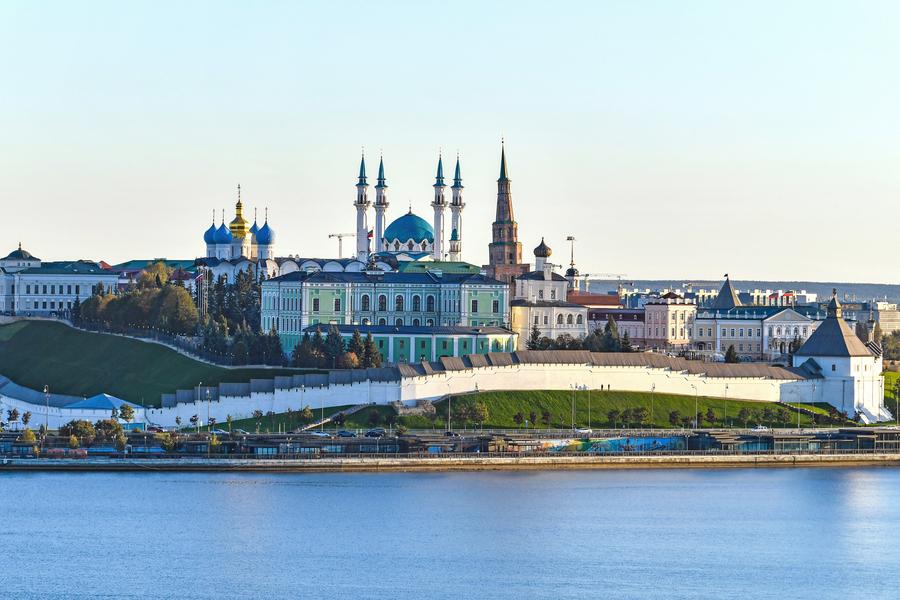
(725, 414)
(46, 409)
(574, 387)
(652, 391)
(696, 406)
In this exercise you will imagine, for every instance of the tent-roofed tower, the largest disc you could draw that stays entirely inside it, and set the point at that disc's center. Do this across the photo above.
(362, 213)
(727, 298)
(505, 250)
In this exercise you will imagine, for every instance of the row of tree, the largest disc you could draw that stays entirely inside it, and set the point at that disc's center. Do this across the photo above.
(330, 351)
(155, 301)
(606, 339)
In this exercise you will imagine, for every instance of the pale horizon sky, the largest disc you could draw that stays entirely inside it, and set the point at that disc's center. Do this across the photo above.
(673, 139)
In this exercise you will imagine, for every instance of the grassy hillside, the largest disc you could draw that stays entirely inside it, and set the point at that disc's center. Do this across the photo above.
(502, 407)
(38, 353)
(281, 422)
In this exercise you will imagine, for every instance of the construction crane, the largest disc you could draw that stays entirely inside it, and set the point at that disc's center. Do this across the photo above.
(340, 238)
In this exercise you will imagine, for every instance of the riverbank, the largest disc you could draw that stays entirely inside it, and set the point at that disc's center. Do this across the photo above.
(459, 463)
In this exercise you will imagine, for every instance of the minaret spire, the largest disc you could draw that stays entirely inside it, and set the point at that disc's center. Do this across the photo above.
(456, 207)
(438, 204)
(362, 212)
(381, 204)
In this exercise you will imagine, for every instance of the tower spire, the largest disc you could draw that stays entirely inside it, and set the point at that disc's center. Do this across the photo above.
(503, 175)
(362, 210)
(362, 169)
(439, 179)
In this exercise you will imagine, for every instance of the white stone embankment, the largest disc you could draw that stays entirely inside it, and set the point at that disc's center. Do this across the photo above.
(459, 463)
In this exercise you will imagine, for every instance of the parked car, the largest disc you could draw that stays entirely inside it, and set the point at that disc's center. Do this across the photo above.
(378, 432)
(760, 428)
(218, 431)
(346, 434)
(583, 431)
(319, 434)
(451, 434)
(241, 432)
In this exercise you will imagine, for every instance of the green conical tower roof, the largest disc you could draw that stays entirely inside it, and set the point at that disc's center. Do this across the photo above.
(362, 171)
(439, 179)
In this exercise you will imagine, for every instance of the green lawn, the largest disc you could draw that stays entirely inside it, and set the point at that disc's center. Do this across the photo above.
(502, 406)
(38, 353)
(281, 422)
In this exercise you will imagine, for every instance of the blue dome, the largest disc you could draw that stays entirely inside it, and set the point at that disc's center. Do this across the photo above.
(266, 235)
(410, 227)
(254, 228)
(210, 236)
(223, 234)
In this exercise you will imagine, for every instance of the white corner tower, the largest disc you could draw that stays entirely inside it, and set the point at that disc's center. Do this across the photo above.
(439, 205)
(456, 207)
(362, 213)
(381, 204)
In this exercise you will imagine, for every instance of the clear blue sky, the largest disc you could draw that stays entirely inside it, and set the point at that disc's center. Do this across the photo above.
(673, 139)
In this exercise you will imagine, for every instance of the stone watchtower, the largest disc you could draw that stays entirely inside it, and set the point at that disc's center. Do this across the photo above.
(505, 251)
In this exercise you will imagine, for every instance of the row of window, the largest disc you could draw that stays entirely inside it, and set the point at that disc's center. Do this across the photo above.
(568, 320)
(365, 305)
(43, 289)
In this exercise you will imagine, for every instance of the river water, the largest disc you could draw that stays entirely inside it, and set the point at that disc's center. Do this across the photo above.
(763, 533)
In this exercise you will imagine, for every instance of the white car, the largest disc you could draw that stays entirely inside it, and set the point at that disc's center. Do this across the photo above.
(760, 428)
(583, 431)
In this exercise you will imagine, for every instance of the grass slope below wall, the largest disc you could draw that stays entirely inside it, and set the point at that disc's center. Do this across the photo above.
(38, 353)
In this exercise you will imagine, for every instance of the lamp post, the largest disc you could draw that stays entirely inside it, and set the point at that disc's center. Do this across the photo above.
(46, 410)
(696, 406)
(725, 414)
(652, 392)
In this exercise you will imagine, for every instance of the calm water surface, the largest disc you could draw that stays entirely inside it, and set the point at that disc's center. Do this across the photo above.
(776, 533)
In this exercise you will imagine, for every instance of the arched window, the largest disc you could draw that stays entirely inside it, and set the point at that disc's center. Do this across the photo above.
(409, 244)
(417, 303)
(399, 322)
(429, 322)
(382, 303)
(416, 322)
(364, 302)
(778, 331)
(365, 321)
(398, 303)
(429, 304)
(569, 320)
(580, 320)
(382, 321)
(559, 319)
(796, 331)
(397, 246)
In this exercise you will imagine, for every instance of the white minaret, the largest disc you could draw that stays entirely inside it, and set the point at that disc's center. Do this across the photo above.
(362, 214)
(456, 207)
(381, 204)
(439, 205)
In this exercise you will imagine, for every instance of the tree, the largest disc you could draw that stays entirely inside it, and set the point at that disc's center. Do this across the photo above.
(73, 442)
(306, 415)
(519, 418)
(626, 343)
(374, 417)
(114, 413)
(195, 421)
(371, 354)
(348, 360)
(627, 417)
(126, 413)
(230, 420)
(215, 445)
(794, 345)
(480, 413)
(27, 436)
(108, 430)
(546, 417)
(13, 416)
(731, 355)
(178, 421)
(356, 345)
(339, 419)
(76, 311)
(211, 423)
(710, 415)
(258, 416)
(401, 430)
(744, 415)
(639, 414)
(532, 418)
(334, 346)
(81, 429)
(534, 340)
(26, 417)
(613, 417)
(168, 441)
(674, 418)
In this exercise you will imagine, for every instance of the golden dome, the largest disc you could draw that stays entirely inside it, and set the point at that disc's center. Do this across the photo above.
(239, 226)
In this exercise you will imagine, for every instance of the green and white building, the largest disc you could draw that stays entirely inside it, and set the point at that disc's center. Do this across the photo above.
(430, 299)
